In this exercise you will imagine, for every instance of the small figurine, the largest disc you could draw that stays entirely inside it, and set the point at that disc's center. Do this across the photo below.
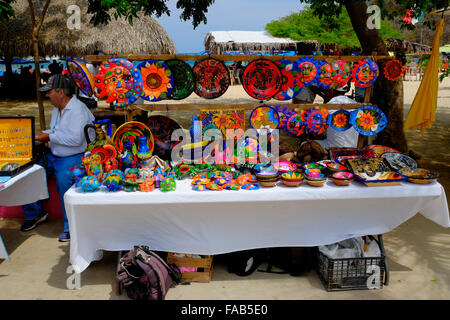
(128, 159)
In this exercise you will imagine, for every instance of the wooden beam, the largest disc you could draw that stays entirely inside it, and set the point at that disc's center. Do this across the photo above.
(224, 57)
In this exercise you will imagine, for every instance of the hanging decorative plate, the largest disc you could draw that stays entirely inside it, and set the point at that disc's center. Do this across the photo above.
(81, 76)
(212, 78)
(339, 120)
(295, 125)
(341, 73)
(393, 70)
(290, 80)
(261, 79)
(264, 117)
(284, 114)
(162, 128)
(326, 72)
(309, 70)
(132, 131)
(183, 79)
(157, 79)
(379, 150)
(365, 73)
(315, 119)
(368, 120)
(399, 161)
(119, 81)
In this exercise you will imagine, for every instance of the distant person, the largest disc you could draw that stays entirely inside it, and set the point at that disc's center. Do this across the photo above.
(55, 67)
(67, 144)
(45, 74)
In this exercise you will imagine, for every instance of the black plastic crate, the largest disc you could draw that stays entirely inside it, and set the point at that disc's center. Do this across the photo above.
(351, 273)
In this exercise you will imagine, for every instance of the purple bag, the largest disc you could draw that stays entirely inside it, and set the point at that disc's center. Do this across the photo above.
(145, 275)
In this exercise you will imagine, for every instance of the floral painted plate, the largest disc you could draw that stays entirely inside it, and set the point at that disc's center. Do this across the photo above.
(264, 117)
(81, 76)
(183, 78)
(157, 79)
(212, 78)
(119, 81)
(262, 79)
(339, 120)
(368, 120)
(132, 131)
(290, 81)
(162, 128)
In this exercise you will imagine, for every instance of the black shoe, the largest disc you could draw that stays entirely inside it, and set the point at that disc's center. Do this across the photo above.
(31, 224)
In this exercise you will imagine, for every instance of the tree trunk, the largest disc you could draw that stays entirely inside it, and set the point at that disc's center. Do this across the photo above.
(37, 74)
(388, 95)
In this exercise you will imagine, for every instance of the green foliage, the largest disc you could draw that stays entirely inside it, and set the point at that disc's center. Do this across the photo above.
(6, 11)
(306, 25)
(102, 10)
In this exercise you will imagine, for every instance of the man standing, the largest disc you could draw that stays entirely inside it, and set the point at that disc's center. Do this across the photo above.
(67, 144)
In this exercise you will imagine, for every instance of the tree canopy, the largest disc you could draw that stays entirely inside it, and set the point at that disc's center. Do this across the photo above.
(306, 25)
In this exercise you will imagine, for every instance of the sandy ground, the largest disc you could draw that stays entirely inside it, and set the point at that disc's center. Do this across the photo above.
(417, 251)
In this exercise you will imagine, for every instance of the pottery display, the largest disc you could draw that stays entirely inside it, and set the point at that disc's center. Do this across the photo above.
(419, 175)
(342, 178)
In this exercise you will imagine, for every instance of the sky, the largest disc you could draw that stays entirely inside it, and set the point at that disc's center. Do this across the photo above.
(224, 15)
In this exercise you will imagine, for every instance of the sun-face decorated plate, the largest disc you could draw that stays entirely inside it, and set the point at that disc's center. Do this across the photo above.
(183, 78)
(212, 78)
(341, 73)
(261, 79)
(399, 161)
(162, 128)
(368, 120)
(290, 80)
(324, 80)
(295, 125)
(339, 120)
(315, 119)
(284, 114)
(264, 117)
(393, 70)
(81, 76)
(119, 81)
(365, 73)
(309, 70)
(157, 80)
(132, 131)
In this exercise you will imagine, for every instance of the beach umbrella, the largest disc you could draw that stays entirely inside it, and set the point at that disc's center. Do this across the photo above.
(422, 113)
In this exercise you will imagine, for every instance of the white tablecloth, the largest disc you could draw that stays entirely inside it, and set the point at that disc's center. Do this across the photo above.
(27, 187)
(215, 222)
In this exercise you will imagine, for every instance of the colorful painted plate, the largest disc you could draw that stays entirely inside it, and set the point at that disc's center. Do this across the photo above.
(379, 150)
(131, 131)
(285, 166)
(261, 79)
(365, 73)
(315, 119)
(162, 128)
(399, 161)
(264, 117)
(157, 79)
(183, 78)
(309, 70)
(339, 120)
(284, 114)
(368, 120)
(212, 78)
(295, 125)
(81, 76)
(393, 70)
(290, 80)
(341, 73)
(119, 81)
(325, 81)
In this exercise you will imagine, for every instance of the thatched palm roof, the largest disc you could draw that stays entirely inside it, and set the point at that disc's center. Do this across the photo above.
(146, 36)
(216, 42)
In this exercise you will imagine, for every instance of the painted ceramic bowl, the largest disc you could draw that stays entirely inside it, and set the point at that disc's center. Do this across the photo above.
(314, 175)
(312, 166)
(268, 184)
(315, 183)
(333, 167)
(292, 183)
(262, 176)
(292, 176)
(342, 178)
(285, 166)
(419, 175)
